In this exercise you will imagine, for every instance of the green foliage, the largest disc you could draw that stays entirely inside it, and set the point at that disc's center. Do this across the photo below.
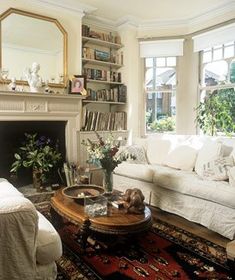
(37, 154)
(217, 112)
(163, 125)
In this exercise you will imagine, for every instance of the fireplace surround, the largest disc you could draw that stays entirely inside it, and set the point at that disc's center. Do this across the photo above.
(24, 107)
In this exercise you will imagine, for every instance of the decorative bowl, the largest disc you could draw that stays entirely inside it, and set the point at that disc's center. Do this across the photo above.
(80, 192)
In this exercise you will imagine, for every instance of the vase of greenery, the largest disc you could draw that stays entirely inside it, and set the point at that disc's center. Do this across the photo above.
(105, 154)
(37, 154)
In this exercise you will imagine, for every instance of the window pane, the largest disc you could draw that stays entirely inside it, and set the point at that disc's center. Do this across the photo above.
(207, 56)
(165, 78)
(215, 72)
(160, 112)
(232, 72)
(229, 51)
(149, 62)
(161, 61)
(149, 79)
(171, 61)
(218, 53)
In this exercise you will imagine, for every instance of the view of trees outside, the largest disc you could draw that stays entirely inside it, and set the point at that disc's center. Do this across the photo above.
(218, 85)
(160, 89)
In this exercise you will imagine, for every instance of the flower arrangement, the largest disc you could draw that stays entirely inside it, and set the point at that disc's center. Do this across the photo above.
(38, 154)
(106, 154)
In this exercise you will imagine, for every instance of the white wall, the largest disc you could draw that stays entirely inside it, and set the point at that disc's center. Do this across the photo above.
(131, 77)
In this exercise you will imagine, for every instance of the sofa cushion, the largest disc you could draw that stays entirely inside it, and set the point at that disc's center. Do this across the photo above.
(217, 169)
(231, 175)
(7, 189)
(49, 247)
(137, 151)
(182, 157)
(188, 182)
(142, 172)
(157, 150)
(211, 150)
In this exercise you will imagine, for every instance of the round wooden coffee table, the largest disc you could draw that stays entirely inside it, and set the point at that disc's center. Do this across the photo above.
(116, 222)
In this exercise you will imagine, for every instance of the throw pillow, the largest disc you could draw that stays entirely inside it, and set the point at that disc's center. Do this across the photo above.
(183, 157)
(157, 150)
(217, 170)
(211, 150)
(138, 152)
(231, 175)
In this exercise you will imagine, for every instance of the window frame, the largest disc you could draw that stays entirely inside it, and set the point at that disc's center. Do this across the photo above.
(146, 92)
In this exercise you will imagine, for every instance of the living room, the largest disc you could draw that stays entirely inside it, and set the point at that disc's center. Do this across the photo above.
(162, 80)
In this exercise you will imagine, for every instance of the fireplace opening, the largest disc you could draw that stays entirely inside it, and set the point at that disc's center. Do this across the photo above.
(12, 134)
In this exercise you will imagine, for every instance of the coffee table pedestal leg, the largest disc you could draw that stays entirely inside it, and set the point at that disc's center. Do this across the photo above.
(84, 233)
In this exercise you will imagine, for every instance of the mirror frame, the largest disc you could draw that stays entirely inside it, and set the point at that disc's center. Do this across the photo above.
(45, 18)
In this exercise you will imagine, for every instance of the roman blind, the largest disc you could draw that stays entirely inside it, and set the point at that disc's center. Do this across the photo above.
(209, 39)
(161, 48)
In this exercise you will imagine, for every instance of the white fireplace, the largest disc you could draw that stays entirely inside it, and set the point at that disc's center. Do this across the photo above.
(23, 106)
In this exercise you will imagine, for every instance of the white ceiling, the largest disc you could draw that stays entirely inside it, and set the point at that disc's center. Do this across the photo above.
(152, 10)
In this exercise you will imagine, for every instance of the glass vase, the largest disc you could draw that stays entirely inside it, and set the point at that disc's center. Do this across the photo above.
(108, 181)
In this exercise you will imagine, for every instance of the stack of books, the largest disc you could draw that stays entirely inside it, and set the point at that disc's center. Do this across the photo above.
(116, 94)
(102, 75)
(108, 37)
(103, 121)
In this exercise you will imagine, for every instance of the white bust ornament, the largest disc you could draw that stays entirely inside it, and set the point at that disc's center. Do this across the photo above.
(33, 79)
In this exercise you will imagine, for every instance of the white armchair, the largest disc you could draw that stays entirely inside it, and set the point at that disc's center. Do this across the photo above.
(29, 243)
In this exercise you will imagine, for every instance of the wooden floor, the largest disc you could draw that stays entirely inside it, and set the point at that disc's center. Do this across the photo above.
(189, 226)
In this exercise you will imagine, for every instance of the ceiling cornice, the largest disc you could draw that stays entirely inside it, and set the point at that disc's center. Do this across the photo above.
(163, 24)
(101, 22)
(69, 5)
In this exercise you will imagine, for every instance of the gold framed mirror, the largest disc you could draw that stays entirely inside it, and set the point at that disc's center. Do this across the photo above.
(27, 38)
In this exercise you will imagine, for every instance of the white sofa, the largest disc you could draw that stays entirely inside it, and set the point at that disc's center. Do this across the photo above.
(29, 243)
(168, 179)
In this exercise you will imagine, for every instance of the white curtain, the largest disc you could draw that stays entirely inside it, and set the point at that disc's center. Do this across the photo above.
(161, 48)
(209, 39)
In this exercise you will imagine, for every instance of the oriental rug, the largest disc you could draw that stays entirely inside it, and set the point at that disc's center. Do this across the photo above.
(165, 252)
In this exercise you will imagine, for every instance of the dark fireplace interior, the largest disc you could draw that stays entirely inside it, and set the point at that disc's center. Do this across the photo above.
(11, 138)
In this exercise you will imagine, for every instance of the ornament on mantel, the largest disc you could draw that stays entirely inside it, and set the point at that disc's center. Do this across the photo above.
(12, 85)
(33, 78)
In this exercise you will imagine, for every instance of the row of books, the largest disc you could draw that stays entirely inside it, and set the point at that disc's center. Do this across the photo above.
(94, 54)
(98, 121)
(108, 37)
(102, 75)
(116, 94)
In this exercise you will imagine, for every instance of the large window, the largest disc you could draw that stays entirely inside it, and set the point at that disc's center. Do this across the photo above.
(217, 83)
(160, 90)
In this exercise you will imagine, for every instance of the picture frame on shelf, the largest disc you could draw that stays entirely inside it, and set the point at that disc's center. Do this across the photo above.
(77, 85)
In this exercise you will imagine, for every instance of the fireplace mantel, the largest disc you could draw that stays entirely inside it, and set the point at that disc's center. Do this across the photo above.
(26, 106)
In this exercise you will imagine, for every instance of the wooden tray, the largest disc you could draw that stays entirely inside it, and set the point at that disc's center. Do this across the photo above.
(80, 192)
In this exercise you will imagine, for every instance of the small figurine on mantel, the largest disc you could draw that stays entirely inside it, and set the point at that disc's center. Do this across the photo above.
(33, 79)
(12, 85)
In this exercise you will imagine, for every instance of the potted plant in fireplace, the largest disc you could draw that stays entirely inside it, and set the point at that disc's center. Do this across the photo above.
(39, 154)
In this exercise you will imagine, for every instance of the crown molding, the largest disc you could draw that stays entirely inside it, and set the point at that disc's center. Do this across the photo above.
(141, 25)
(70, 5)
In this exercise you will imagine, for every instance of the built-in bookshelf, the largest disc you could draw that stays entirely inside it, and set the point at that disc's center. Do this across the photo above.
(102, 59)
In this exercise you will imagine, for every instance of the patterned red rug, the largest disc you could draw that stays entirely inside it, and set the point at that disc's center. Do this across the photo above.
(165, 252)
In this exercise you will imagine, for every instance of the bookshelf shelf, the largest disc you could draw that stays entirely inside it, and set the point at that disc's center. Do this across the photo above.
(103, 102)
(103, 82)
(99, 42)
(101, 63)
